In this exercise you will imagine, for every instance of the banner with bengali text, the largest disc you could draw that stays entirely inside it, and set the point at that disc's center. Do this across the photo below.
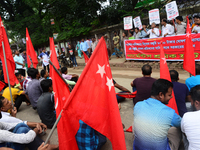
(149, 49)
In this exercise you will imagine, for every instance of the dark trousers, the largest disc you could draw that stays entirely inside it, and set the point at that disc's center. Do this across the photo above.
(87, 53)
(46, 67)
(22, 72)
(19, 100)
(102, 140)
(22, 128)
(73, 59)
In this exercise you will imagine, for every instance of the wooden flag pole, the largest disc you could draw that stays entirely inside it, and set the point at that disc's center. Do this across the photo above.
(4, 55)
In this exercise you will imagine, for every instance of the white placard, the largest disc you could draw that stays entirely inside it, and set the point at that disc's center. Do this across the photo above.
(128, 24)
(137, 22)
(171, 10)
(154, 16)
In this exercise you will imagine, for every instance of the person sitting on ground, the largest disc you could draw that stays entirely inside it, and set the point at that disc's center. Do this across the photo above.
(18, 96)
(143, 85)
(180, 26)
(181, 92)
(194, 80)
(34, 90)
(154, 32)
(157, 126)
(45, 104)
(44, 75)
(190, 124)
(123, 89)
(66, 76)
(21, 135)
(21, 79)
(27, 80)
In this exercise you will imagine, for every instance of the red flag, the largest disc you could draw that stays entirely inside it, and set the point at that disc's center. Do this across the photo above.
(53, 56)
(2, 85)
(189, 61)
(130, 129)
(30, 52)
(9, 57)
(61, 93)
(85, 57)
(127, 94)
(94, 97)
(164, 74)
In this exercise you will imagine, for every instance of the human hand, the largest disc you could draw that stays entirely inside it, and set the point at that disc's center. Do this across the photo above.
(39, 128)
(165, 34)
(44, 127)
(23, 65)
(13, 112)
(195, 31)
(43, 147)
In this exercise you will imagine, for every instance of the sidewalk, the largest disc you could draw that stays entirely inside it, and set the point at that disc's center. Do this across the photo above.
(121, 62)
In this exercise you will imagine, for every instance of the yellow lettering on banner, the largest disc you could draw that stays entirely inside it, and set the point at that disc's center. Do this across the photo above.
(196, 55)
(156, 56)
(172, 55)
(181, 56)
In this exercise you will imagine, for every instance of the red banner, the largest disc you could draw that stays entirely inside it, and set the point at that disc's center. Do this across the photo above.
(149, 49)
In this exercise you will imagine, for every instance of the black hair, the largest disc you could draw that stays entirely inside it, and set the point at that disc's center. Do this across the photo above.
(144, 24)
(131, 32)
(46, 84)
(115, 31)
(17, 74)
(157, 25)
(33, 72)
(137, 29)
(1, 103)
(125, 32)
(197, 69)
(190, 18)
(180, 18)
(146, 69)
(43, 72)
(160, 85)
(174, 75)
(164, 20)
(195, 93)
(28, 71)
(63, 69)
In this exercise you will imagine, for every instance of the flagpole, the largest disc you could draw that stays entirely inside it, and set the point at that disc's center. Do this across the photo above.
(53, 128)
(4, 55)
(60, 75)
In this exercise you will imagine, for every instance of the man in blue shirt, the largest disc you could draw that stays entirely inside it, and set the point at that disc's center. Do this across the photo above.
(84, 47)
(194, 80)
(181, 92)
(156, 126)
(143, 32)
(20, 63)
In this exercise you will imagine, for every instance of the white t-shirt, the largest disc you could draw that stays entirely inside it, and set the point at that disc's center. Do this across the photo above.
(168, 29)
(153, 35)
(197, 28)
(190, 125)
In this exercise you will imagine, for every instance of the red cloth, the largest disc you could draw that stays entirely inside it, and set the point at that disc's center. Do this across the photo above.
(130, 129)
(30, 52)
(85, 57)
(164, 74)
(127, 94)
(2, 85)
(61, 93)
(189, 60)
(93, 101)
(9, 57)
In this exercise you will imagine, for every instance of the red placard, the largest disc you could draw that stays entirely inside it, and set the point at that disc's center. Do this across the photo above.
(149, 49)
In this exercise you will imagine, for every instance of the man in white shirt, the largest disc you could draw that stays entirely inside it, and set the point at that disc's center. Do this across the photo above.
(45, 59)
(167, 29)
(190, 124)
(21, 134)
(154, 32)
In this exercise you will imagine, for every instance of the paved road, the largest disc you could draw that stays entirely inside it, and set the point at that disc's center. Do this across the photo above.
(123, 76)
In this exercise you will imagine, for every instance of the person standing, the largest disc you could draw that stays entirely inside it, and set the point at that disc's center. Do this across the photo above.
(180, 26)
(108, 45)
(137, 33)
(154, 32)
(116, 45)
(125, 37)
(143, 34)
(84, 47)
(71, 52)
(20, 63)
(167, 29)
(78, 49)
(196, 28)
(45, 59)
(93, 45)
(25, 58)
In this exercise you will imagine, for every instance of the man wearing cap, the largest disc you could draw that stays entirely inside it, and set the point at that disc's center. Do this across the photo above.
(180, 26)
